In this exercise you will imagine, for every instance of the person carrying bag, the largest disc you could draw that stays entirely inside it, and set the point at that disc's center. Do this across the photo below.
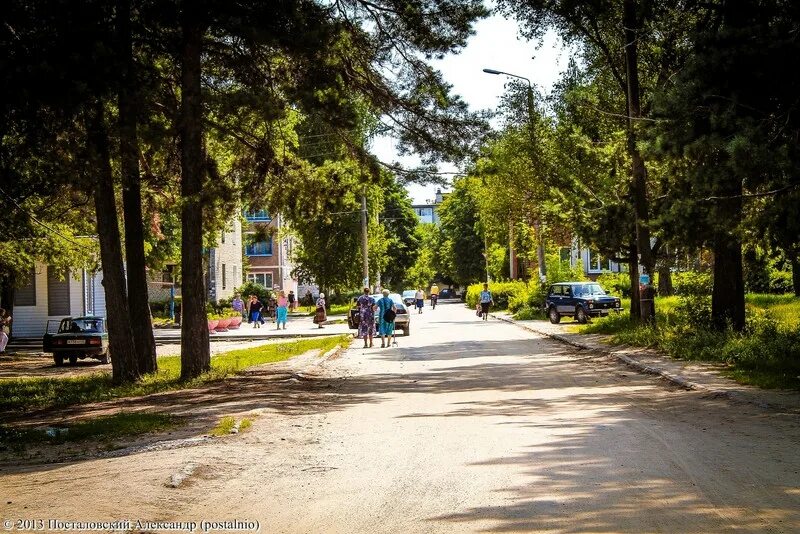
(321, 315)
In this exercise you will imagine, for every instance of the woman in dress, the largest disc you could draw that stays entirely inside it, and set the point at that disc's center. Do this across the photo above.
(283, 310)
(321, 315)
(385, 328)
(366, 317)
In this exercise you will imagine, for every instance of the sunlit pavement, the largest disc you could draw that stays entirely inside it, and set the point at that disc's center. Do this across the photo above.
(465, 426)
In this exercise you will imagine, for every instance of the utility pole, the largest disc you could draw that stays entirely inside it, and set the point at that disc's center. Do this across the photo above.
(364, 239)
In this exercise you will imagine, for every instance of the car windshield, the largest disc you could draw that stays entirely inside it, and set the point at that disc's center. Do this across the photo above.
(82, 326)
(409, 293)
(586, 290)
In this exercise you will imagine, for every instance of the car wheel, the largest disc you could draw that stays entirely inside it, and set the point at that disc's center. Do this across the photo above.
(59, 359)
(104, 358)
(555, 317)
(73, 359)
(407, 331)
(580, 315)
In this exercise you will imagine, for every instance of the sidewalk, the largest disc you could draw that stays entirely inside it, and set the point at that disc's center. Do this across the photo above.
(297, 326)
(699, 376)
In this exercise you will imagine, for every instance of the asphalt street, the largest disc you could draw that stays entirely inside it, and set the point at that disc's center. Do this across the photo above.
(465, 426)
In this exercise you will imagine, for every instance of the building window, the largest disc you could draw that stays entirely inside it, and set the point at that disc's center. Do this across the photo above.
(223, 236)
(596, 262)
(224, 276)
(258, 216)
(263, 279)
(262, 248)
(26, 295)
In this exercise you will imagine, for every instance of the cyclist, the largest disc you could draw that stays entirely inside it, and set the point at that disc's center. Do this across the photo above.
(434, 295)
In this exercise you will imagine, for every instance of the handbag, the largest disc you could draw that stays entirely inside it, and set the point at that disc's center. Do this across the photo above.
(389, 315)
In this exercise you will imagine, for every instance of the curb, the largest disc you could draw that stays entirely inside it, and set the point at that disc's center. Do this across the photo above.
(646, 369)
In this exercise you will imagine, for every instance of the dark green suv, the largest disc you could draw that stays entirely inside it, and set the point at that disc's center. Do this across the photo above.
(580, 300)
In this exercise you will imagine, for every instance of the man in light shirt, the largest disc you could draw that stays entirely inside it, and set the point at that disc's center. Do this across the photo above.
(420, 298)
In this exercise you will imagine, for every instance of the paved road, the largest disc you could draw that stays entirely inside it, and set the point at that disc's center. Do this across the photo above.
(467, 426)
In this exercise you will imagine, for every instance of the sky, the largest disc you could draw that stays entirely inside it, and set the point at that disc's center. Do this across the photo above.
(496, 45)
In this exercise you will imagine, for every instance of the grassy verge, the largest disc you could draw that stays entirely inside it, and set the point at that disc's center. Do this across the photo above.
(100, 429)
(336, 309)
(22, 394)
(766, 354)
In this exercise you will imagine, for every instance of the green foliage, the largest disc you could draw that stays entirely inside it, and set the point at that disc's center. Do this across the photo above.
(404, 240)
(618, 284)
(766, 353)
(690, 283)
(502, 293)
(463, 246)
(18, 394)
(562, 271)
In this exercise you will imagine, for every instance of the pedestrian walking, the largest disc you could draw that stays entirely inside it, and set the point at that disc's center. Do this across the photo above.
(366, 317)
(321, 314)
(282, 310)
(308, 299)
(5, 329)
(238, 304)
(272, 307)
(387, 311)
(255, 312)
(292, 301)
(486, 301)
(248, 301)
(419, 297)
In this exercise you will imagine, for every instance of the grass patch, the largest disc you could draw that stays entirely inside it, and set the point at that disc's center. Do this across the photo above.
(765, 354)
(20, 394)
(100, 429)
(228, 423)
(224, 426)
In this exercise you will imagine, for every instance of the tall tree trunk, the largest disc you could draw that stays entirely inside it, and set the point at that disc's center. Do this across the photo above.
(796, 274)
(633, 273)
(638, 171)
(665, 288)
(141, 321)
(727, 297)
(195, 350)
(120, 334)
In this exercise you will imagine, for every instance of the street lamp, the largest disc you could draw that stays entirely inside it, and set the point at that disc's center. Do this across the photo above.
(540, 248)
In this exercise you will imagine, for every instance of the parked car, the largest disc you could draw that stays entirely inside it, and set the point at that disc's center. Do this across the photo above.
(77, 338)
(408, 297)
(580, 300)
(448, 293)
(401, 322)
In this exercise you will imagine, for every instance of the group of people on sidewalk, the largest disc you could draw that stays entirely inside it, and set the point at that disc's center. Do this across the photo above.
(255, 311)
(387, 312)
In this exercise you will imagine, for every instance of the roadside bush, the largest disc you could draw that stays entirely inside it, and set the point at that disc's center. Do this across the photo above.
(766, 353)
(780, 282)
(502, 293)
(618, 284)
(692, 283)
(526, 313)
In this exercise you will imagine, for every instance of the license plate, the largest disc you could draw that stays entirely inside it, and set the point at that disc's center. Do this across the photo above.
(76, 342)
